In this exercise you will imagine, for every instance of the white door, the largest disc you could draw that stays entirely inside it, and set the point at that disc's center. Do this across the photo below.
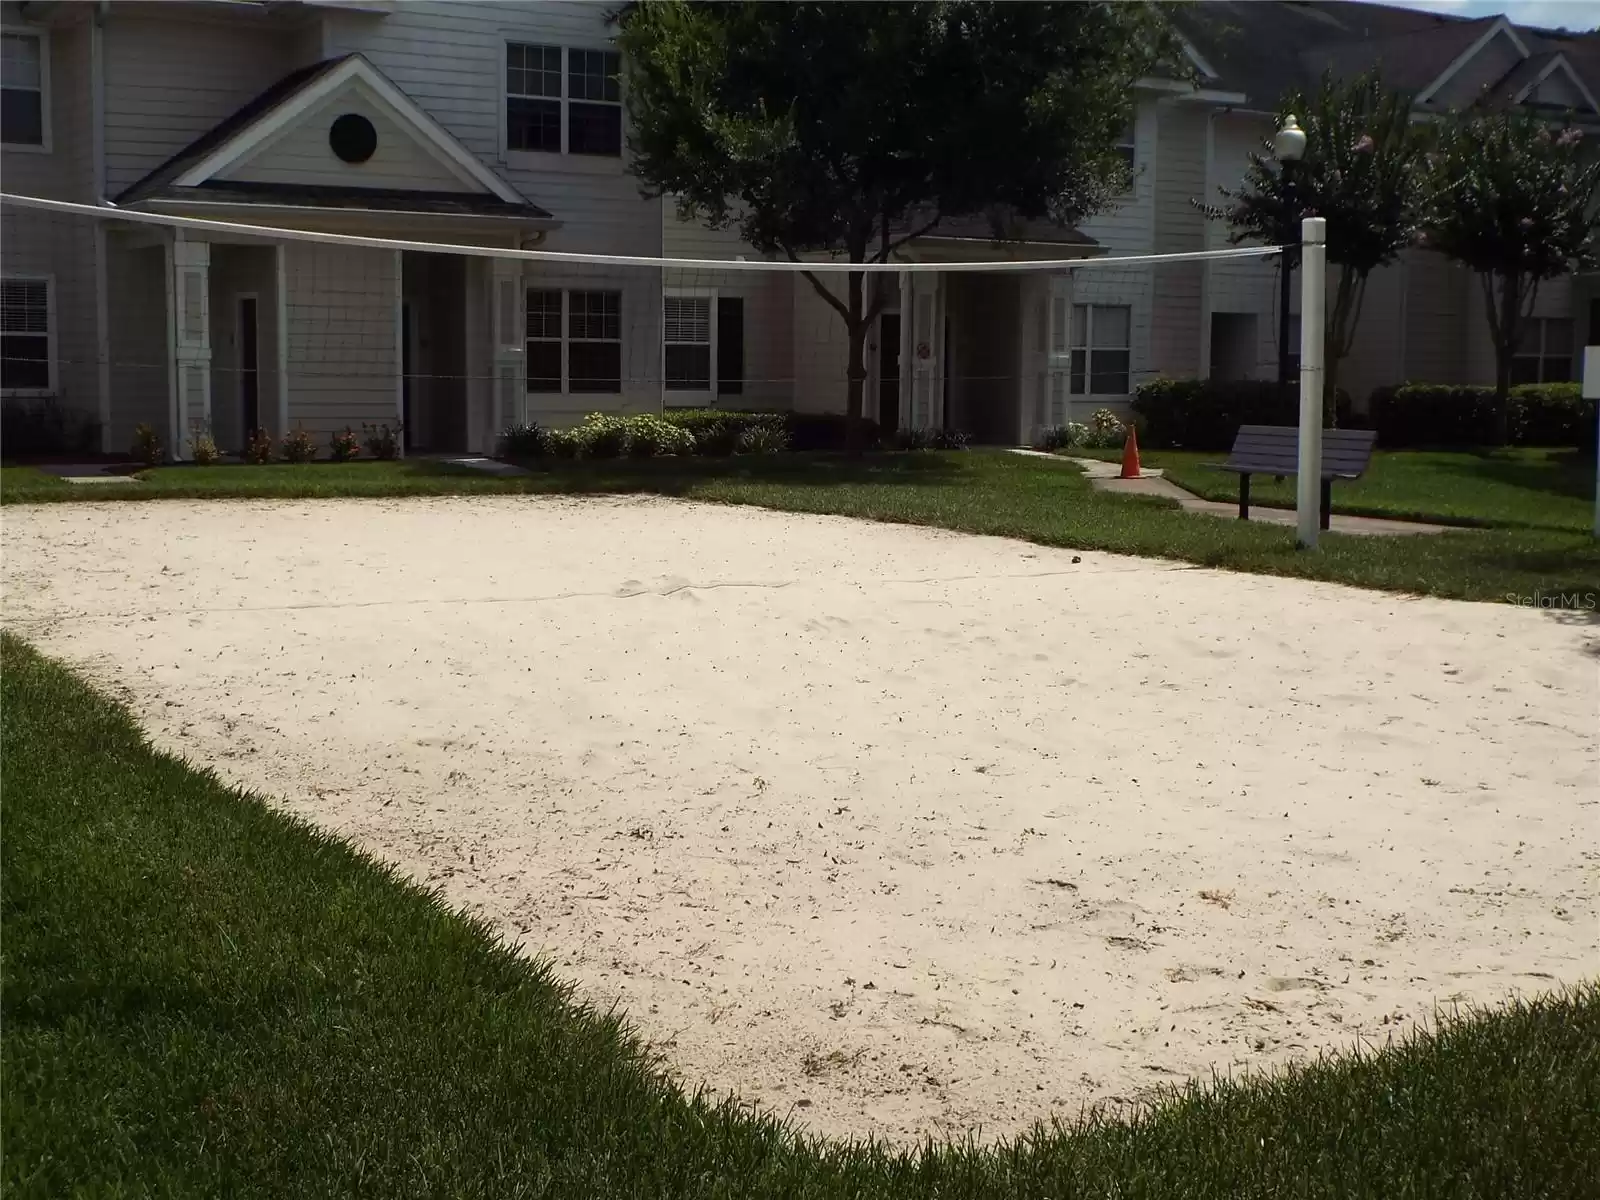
(926, 339)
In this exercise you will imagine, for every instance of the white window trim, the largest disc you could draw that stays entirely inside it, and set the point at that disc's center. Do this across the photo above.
(44, 146)
(51, 334)
(1089, 348)
(1539, 354)
(687, 397)
(565, 291)
(569, 160)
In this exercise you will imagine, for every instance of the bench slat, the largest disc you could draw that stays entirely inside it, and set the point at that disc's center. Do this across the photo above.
(1275, 450)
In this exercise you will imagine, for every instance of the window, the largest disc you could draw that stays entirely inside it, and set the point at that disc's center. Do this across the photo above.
(1127, 150)
(686, 334)
(574, 341)
(26, 364)
(1101, 349)
(577, 109)
(1545, 355)
(703, 344)
(22, 88)
(594, 104)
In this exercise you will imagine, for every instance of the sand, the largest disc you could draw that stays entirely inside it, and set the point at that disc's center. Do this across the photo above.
(892, 831)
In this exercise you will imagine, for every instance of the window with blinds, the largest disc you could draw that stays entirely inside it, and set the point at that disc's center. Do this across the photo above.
(686, 336)
(25, 361)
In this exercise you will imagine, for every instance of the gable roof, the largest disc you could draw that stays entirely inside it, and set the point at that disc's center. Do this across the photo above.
(194, 170)
(1264, 48)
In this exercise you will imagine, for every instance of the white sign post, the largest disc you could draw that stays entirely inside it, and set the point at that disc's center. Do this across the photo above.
(1313, 299)
(1591, 391)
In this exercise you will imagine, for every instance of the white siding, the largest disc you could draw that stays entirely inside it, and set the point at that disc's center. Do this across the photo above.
(301, 154)
(1440, 297)
(1128, 227)
(1376, 357)
(1234, 286)
(140, 355)
(343, 355)
(61, 248)
(450, 59)
(821, 348)
(150, 115)
(1177, 306)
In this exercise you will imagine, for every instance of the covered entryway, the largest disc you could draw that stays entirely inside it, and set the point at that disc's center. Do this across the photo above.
(433, 289)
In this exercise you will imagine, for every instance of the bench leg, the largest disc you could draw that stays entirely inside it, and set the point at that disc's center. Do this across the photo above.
(1244, 497)
(1327, 502)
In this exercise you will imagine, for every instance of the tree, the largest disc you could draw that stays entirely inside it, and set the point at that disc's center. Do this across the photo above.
(1513, 199)
(1361, 172)
(852, 128)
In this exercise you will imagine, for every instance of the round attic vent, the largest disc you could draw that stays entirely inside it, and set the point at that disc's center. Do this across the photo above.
(352, 138)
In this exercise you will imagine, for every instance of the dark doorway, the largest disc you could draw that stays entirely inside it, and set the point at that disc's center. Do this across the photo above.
(888, 373)
(1594, 323)
(249, 366)
(406, 422)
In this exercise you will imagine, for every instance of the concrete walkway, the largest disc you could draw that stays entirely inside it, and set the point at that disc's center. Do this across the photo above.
(1106, 477)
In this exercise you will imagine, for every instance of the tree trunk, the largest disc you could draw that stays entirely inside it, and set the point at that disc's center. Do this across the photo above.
(856, 371)
(1505, 346)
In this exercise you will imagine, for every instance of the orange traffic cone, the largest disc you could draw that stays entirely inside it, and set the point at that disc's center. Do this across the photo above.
(1130, 454)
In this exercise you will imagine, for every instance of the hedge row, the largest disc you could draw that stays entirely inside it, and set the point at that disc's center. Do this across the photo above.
(706, 431)
(1434, 414)
(1205, 414)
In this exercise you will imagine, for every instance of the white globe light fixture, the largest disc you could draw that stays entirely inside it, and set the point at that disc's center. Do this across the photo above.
(1289, 143)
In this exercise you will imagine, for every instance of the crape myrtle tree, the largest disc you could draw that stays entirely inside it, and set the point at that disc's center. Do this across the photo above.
(849, 129)
(1362, 172)
(1514, 199)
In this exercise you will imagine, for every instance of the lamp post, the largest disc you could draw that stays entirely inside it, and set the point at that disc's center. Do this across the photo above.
(1288, 144)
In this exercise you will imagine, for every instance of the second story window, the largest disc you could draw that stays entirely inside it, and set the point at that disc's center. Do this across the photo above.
(563, 100)
(22, 90)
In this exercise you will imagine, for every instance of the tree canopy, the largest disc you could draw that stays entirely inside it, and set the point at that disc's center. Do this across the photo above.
(1361, 172)
(850, 128)
(1514, 199)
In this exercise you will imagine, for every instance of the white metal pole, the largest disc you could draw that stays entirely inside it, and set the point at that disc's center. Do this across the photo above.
(1591, 391)
(1313, 301)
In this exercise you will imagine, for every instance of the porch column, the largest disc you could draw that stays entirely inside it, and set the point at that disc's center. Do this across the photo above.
(190, 335)
(927, 349)
(509, 405)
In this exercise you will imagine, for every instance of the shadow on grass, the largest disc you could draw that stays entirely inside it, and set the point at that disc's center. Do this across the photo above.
(1568, 473)
(674, 476)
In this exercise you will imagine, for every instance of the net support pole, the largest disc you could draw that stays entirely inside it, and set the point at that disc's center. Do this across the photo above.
(1591, 391)
(1313, 302)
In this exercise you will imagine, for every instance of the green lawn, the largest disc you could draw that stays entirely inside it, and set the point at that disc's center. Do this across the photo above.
(978, 492)
(204, 998)
(1523, 487)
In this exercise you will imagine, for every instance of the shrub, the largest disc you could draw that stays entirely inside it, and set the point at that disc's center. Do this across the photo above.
(147, 446)
(826, 431)
(650, 435)
(1205, 414)
(203, 448)
(912, 439)
(768, 437)
(717, 431)
(299, 447)
(257, 447)
(383, 441)
(603, 436)
(344, 445)
(522, 441)
(1106, 430)
(1439, 414)
(1063, 437)
(30, 428)
(563, 443)
(950, 439)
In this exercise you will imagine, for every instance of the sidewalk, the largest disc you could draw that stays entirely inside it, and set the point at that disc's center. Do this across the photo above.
(1105, 476)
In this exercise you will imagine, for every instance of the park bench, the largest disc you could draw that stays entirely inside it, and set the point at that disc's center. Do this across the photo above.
(1275, 450)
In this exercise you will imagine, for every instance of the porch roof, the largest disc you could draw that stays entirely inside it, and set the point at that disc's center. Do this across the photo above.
(451, 181)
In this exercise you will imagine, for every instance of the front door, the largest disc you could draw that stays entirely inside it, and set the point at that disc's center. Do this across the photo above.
(888, 373)
(249, 366)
